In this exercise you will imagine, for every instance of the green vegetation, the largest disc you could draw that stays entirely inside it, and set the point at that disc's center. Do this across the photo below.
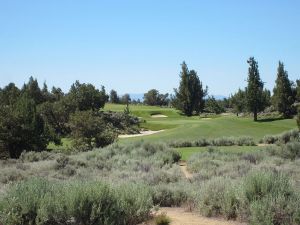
(153, 97)
(41, 202)
(189, 97)
(162, 219)
(254, 91)
(187, 152)
(283, 97)
(234, 167)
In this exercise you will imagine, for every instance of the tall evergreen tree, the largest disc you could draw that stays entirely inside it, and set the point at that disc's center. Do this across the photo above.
(113, 97)
(254, 90)
(22, 128)
(283, 96)
(297, 91)
(190, 95)
(238, 101)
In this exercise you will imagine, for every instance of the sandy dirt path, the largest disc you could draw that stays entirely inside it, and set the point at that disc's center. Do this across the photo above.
(179, 216)
(183, 168)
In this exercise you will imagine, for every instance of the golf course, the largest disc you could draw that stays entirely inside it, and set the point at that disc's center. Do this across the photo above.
(149, 112)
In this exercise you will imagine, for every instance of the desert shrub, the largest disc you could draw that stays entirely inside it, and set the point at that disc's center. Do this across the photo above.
(10, 175)
(40, 202)
(291, 150)
(269, 139)
(261, 189)
(216, 163)
(283, 138)
(253, 158)
(222, 141)
(181, 144)
(202, 142)
(162, 219)
(62, 162)
(36, 156)
(245, 141)
(167, 195)
(274, 210)
(135, 200)
(22, 202)
(215, 198)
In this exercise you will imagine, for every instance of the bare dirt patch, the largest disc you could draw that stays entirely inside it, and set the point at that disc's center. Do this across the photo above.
(179, 216)
(142, 133)
(159, 116)
(183, 168)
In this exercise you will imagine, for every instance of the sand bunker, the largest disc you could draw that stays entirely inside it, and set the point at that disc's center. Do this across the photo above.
(142, 133)
(159, 116)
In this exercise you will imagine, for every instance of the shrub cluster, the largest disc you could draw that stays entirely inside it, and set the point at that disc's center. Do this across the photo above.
(40, 202)
(222, 141)
(290, 150)
(283, 138)
(260, 198)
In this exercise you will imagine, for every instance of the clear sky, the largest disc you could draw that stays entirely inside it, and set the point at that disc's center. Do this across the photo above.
(135, 45)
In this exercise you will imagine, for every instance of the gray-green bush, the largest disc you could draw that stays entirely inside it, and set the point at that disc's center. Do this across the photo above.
(222, 141)
(40, 202)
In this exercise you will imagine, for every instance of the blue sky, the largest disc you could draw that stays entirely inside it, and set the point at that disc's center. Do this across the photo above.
(135, 45)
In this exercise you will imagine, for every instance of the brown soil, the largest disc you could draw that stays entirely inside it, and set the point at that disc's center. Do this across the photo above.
(183, 168)
(179, 216)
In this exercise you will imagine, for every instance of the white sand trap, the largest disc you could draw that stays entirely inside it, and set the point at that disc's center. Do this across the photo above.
(159, 116)
(143, 133)
(206, 118)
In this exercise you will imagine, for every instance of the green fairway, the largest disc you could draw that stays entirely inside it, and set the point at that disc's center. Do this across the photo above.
(179, 127)
(187, 152)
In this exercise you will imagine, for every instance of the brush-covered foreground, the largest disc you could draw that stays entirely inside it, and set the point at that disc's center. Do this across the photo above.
(259, 186)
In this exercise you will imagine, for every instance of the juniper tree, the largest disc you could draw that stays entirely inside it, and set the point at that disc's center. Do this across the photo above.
(190, 94)
(283, 96)
(254, 90)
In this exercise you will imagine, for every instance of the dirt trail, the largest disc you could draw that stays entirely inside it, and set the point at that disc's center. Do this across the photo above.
(183, 168)
(179, 216)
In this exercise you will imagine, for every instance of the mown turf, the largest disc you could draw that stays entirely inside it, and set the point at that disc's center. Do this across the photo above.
(179, 127)
(187, 152)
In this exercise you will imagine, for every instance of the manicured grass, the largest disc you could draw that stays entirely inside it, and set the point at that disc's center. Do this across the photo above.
(187, 152)
(65, 144)
(179, 127)
(144, 111)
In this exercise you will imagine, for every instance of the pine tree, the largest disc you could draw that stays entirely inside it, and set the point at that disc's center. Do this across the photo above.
(283, 96)
(190, 94)
(254, 90)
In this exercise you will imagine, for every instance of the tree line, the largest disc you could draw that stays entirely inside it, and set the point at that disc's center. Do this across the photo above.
(191, 97)
(31, 117)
